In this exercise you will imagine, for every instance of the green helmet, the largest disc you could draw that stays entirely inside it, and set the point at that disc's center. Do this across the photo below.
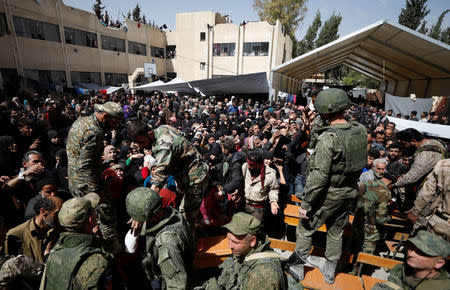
(142, 203)
(331, 101)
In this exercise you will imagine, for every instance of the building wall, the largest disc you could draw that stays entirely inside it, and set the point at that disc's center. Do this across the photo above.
(194, 57)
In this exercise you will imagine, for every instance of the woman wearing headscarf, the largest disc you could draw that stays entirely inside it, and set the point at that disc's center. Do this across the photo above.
(9, 156)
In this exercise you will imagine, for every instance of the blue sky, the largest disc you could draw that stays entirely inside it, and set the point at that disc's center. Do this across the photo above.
(355, 13)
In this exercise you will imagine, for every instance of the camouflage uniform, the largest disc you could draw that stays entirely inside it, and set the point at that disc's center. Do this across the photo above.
(20, 269)
(329, 191)
(433, 200)
(401, 276)
(166, 246)
(371, 212)
(77, 261)
(260, 268)
(425, 158)
(84, 153)
(177, 156)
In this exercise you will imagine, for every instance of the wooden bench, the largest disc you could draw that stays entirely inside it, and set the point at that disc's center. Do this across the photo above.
(369, 282)
(314, 280)
(212, 251)
(292, 218)
(369, 259)
(295, 199)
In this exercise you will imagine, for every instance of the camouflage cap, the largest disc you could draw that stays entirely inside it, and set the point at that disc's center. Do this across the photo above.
(93, 198)
(142, 203)
(113, 109)
(75, 213)
(431, 244)
(242, 224)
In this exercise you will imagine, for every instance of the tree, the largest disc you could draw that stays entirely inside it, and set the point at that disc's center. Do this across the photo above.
(290, 13)
(422, 28)
(98, 8)
(129, 15)
(137, 13)
(327, 34)
(445, 36)
(354, 78)
(144, 21)
(413, 13)
(307, 43)
(329, 31)
(435, 31)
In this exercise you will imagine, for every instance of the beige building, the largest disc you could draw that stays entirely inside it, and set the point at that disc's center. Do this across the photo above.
(50, 42)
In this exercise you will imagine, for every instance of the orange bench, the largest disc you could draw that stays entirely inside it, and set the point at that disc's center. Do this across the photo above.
(212, 251)
(292, 217)
(364, 258)
(314, 280)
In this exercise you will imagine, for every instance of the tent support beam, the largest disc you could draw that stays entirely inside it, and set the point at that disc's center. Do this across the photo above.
(438, 67)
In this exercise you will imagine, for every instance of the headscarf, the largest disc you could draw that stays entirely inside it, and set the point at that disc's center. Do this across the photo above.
(250, 142)
(262, 169)
(9, 161)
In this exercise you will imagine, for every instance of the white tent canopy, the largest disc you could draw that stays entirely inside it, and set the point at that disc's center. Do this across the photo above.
(436, 130)
(403, 60)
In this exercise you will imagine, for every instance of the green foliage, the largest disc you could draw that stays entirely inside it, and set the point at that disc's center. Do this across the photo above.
(98, 8)
(435, 31)
(144, 21)
(137, 13)
(445, 36)
(307, 43)
(329, 31)
(413, 13)
(423, 28)
(129, 15)
(290, 13)
(354, 78)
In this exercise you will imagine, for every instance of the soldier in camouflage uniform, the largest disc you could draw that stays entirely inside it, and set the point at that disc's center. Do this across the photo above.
(84, 152)
(433, 201)
(164, 241)
(331, 186)
(424, 266)
(77, 260)
(176, 156)
(20, 272)
(254, 264)
(372, 209)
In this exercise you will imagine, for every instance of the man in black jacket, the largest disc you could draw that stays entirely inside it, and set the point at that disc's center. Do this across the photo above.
(229, 173)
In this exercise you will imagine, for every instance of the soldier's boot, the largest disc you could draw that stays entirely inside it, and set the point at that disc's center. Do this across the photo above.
(328, 271)
(315, 261)
(295, 265)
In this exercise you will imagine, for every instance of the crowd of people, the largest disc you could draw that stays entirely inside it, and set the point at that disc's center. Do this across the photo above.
(103, 191)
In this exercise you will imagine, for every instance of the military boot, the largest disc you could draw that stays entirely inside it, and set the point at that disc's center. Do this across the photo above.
(315, 261)
(295, 266)
(328, 270)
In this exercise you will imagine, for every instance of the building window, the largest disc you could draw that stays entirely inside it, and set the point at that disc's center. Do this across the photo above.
(56, 78)
(36, 29)
(256, 48)
(112, 79)
(202, 65)
(224, 49)
(3, 25)
(202, 36)
(112, 43)
(80, 37)
(85, 77)
(171, 51)
(157, 52)
(137, 48)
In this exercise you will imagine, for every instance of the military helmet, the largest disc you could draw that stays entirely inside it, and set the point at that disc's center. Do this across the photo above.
(331, 101)
(142, 203)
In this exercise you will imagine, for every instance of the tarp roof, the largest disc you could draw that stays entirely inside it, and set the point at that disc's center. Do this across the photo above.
(255, 83)
(384, 50)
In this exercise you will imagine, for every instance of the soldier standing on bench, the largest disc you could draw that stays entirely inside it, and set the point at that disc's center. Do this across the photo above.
(331, 185)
